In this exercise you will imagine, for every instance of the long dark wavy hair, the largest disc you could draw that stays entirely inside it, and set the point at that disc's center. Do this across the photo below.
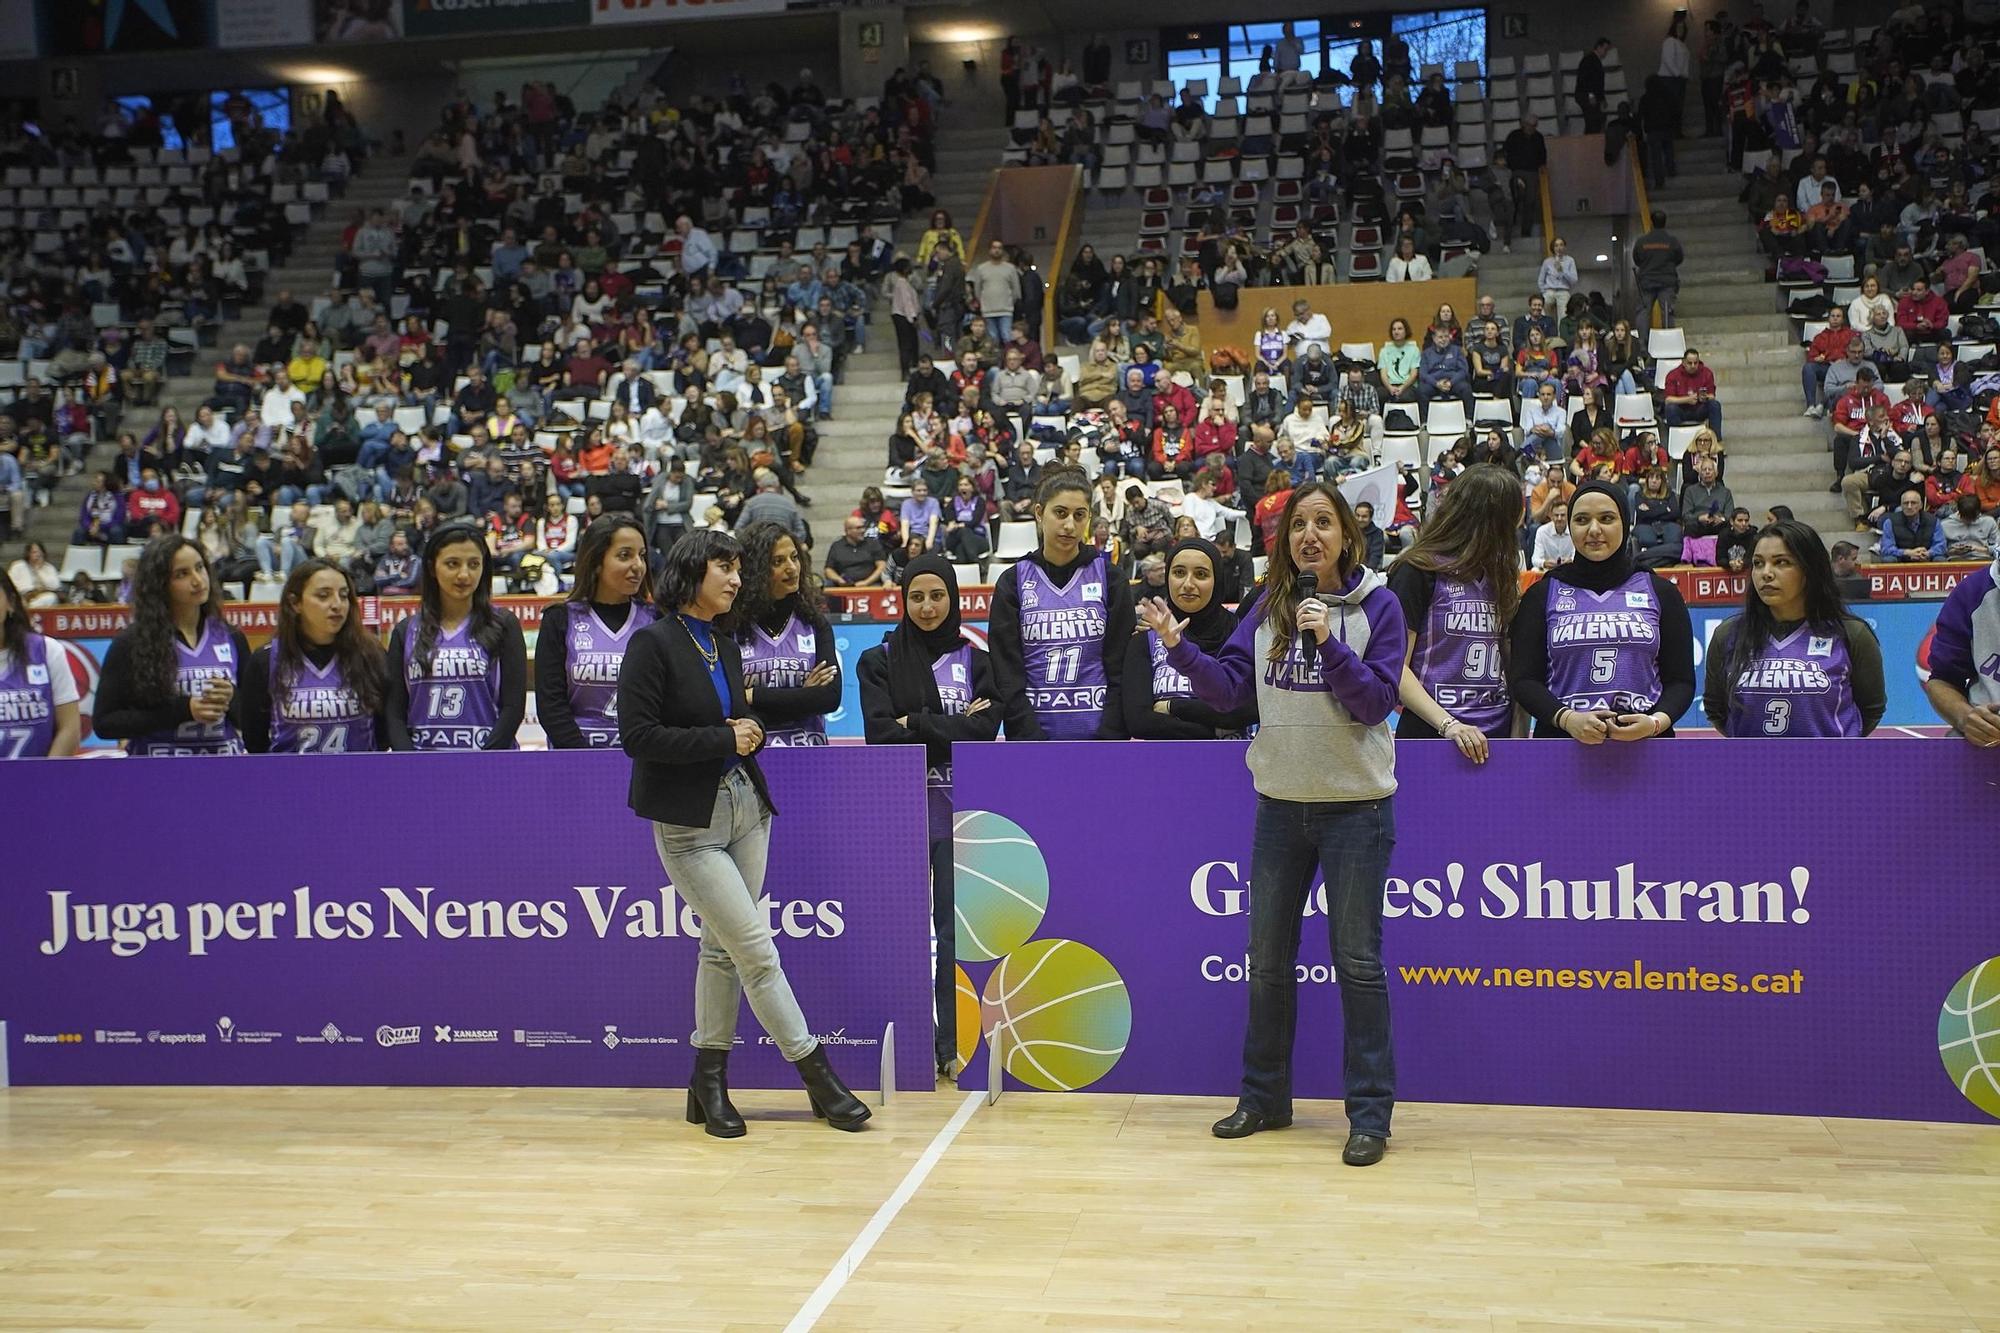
(1824, 611)
(687, 565)
(1281, 576)
(593, 546)
(1475, 534)
(363, 665)
(14, 623)
(486, 627)
(754, 604)
(155, 663)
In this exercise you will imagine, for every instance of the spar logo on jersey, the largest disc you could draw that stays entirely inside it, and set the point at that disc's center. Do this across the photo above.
(1640, 600)
(1818, 647)
(1093, 592)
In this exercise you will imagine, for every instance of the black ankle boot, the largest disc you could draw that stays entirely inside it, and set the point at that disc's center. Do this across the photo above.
(831, 1101)
(708, 1095)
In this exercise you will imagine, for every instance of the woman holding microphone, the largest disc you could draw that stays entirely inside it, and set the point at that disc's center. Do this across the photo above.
(685, 722)
(926, 685)
(1321, 654)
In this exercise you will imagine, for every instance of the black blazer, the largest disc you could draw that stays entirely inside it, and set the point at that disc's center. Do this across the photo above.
(673, 727)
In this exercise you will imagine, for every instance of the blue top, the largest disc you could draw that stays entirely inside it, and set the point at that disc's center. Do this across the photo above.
(704, 637)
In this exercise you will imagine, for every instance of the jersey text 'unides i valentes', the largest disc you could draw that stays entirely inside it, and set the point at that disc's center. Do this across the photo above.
(1604, 647)
(455, 703)
(596, 652)
(1062, 645)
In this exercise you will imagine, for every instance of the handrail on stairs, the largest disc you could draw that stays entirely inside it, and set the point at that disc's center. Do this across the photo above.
(1643, 220)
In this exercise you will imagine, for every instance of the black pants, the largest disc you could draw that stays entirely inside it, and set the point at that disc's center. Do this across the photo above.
(944, 925)
(906, 343)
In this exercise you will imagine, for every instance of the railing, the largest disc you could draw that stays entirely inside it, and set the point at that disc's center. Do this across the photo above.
(1642, 220)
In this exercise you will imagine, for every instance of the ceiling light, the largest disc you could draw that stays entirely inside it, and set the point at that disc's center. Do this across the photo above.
(318, 74)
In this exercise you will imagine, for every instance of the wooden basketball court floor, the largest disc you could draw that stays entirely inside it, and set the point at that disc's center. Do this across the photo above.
(366, 1208)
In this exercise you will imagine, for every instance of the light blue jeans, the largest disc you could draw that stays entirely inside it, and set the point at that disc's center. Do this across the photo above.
(719, 871)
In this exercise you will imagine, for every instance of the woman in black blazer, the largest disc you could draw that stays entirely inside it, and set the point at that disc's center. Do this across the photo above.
(693, 744)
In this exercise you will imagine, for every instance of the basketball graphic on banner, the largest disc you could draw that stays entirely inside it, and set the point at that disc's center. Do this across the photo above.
(1000, 883)
(1059, 1012)
(968, 1016)
(1969, 1036)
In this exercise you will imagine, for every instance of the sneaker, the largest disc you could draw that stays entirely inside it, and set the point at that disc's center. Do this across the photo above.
(1814, 412)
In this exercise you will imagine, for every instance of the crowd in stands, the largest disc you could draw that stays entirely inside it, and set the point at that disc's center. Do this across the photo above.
(1868, 161)
(118, 254)
(645, 308)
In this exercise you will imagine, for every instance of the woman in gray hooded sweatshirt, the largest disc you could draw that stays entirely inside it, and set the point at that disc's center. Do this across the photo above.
(1320, 650)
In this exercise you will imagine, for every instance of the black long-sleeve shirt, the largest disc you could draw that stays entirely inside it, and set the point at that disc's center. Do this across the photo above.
(1528, 666)
(120, 714)
(934, 731)
(1185, 719)
(1010, 674)
(513, 656)
(1864, 676)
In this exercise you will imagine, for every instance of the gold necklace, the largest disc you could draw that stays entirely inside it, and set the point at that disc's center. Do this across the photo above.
(712, 656)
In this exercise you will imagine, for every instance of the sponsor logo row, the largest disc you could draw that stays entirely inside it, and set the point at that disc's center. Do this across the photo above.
(229, 1033)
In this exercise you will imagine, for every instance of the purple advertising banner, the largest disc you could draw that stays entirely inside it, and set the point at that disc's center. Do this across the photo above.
(1669, 925)
(495, 919)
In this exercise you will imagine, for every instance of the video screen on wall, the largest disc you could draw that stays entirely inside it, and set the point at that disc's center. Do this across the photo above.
(226, 108)
(1435, 37)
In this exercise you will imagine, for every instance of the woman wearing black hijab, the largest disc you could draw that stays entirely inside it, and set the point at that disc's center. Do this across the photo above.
(1601, 649)
(1160, 704)
(926, 684)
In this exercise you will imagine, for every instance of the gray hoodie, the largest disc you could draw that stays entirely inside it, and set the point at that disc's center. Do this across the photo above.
(1322, 730)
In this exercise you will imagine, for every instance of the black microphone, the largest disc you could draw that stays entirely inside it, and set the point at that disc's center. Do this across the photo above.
(1309, 588)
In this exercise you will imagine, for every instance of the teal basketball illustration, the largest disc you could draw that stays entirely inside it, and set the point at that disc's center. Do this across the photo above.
(1057, 1013)
(1969, 1036)
(1000, 883)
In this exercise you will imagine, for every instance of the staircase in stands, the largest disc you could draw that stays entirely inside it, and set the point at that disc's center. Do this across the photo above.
(307, 273)
(1731, 316)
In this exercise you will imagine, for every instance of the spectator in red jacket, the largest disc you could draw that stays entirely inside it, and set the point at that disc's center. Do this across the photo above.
(1690, 392)
(1911, 411)
(1215, 433)
(151, 508)
(1850, 418)
(1922, 314)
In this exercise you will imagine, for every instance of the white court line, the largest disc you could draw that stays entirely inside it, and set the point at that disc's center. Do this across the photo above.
(843, 1267)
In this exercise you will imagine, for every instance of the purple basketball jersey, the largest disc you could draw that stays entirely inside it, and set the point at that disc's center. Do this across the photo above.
(28, 703)
(318, 713)
(596, 652)
(1799, 685)
(1457, 655)
(953, 673)
(1171, 684)
(1062, 645)
(213, 657)
(780, 662)
(1604, 648)
(455, 704)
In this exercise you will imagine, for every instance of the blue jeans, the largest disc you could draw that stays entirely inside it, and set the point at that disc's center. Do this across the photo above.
(1350, 842)
(719, 871)
(1707, 414)
(1000, 326)
(1811, 375)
